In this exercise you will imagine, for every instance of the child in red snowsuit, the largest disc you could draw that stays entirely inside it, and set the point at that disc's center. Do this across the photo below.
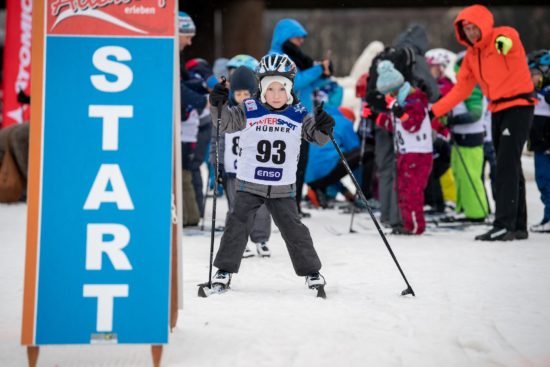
(408, 119)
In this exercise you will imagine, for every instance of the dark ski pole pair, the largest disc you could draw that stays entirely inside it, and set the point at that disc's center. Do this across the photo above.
(208, 284)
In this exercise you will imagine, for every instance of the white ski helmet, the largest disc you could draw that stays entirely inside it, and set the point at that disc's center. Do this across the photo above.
(276, 65)
(439, 56)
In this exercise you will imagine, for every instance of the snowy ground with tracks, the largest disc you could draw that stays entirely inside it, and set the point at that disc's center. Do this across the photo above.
(477, 304)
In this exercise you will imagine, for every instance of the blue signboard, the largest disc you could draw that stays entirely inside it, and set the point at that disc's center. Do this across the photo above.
(105, 218)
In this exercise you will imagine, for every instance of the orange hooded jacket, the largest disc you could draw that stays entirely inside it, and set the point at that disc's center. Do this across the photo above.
(499, 76)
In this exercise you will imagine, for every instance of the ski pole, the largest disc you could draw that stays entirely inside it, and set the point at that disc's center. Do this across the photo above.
(409, 289)
(213, 229)
(360, 166)
(203, 216)
(468, 175)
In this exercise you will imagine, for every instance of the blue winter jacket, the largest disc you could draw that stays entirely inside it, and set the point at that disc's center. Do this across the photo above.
(322, 160)
(305, 81)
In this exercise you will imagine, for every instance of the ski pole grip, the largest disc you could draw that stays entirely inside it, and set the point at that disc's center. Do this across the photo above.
(220, 105)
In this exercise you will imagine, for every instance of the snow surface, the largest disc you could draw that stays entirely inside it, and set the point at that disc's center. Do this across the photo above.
(477, 304)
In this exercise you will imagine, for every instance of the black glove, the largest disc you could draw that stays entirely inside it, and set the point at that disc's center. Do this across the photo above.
(397, 110)
(219, 95)
(323, 121)
(377, 101)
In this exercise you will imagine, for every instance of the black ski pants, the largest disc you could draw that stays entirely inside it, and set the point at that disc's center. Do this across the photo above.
(510, 131)
(285, 215)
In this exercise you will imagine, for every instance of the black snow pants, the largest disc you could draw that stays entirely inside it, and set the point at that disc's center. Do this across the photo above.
(285, 215)
(510, 131)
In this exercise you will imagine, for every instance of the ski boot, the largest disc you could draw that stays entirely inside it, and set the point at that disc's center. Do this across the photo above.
(496, 234)
(542, 227)
(220, 284)
(248, 252)
(263, 249)
(317, 281)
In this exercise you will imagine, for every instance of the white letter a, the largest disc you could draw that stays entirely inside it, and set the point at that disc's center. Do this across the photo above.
(99, 194)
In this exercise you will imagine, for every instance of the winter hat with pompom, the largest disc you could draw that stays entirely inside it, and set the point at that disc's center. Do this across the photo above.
(186, 26)
(389, 79)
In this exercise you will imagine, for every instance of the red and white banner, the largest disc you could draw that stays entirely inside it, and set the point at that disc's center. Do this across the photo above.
(147, 18)
(17, 60)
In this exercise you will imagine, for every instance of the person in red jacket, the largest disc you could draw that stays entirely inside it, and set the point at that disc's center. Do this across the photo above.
(408, 119)
(495, 60)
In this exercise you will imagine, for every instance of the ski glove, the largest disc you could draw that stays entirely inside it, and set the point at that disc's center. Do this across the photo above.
(503, 45)
(323, 121)
(377, 101)
(397, 110)
(219, 95)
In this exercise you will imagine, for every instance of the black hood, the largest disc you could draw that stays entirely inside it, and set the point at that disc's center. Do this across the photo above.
(415, 37)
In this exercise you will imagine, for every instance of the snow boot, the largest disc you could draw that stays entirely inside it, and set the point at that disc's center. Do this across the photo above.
(248, 252)
(263, 249)
(400, 230)
(221, 278)
(542, 227)
(521, 235)
(497, 234)
(315, 280)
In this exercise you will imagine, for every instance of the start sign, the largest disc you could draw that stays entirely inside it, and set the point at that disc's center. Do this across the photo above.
(100, 189)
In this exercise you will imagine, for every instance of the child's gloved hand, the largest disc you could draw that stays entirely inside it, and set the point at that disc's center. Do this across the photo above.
(323, 121)
(219, 95)
(397, 110)
(439, 125)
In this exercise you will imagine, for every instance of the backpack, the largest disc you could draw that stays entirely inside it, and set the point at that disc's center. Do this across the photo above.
(403, 59)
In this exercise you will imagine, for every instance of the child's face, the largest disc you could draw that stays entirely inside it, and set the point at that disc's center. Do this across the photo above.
(436, 71)
(241, 95)
(275, 95)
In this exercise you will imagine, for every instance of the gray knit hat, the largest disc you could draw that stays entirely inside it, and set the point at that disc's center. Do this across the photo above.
(186, 26)
(389, 78)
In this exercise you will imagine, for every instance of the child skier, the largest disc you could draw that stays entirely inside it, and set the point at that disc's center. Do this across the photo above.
(271, 126)
(409, 119)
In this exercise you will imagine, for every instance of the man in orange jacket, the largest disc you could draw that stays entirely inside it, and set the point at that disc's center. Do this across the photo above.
(495, 60)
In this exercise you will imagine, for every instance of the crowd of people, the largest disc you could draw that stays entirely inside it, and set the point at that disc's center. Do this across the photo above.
(429, 123)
